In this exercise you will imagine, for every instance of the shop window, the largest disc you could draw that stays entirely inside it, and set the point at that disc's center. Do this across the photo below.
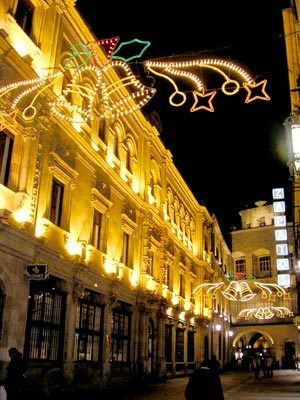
(6, 146)
(191, 346)
(168, 343)
(179, 355)
(120, 337)
(88, 330)
(45, 321)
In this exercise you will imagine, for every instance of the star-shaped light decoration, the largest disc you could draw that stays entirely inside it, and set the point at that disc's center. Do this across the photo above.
(131, 46)
(200, 96)
(8, 119)
(259, 88)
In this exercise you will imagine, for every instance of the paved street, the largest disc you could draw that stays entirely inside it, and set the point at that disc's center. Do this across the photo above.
(285, 385)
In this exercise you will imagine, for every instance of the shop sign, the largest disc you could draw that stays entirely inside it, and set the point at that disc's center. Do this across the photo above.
(36, 272)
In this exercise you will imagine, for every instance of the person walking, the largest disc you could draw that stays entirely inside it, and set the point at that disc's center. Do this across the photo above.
(269, 366)
(204, 384)
(14, 374)
(256, 367)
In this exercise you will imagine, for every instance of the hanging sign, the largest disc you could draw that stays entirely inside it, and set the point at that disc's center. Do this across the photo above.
(36, 272)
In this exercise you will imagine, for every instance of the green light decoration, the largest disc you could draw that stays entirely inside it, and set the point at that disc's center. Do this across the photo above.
(76, 51)
(127, 46)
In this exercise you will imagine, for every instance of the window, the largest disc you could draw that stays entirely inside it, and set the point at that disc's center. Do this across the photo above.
(181, 286)
(96, 233)
(168, 343)
(101, 130)
(264, 265)
(192, 297)
(88, 330)
(56, 202)
(179, 356)
(167, 275)
(125, 249)
(120, 339)
(45, 321)
(24, 15)
(240, 265)
(150, 263)
(116, 146)
(6, 145)
(128, 160)
(191, 346)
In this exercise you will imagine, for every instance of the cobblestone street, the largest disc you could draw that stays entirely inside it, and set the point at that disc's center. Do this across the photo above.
(285, 385)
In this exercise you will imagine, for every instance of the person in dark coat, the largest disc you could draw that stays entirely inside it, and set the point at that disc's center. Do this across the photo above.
(14, 374)
(204, 384)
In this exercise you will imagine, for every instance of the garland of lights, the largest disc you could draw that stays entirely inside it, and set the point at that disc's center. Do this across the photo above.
(81, 104)
(210, 288)
(241, 291)
(265, 312)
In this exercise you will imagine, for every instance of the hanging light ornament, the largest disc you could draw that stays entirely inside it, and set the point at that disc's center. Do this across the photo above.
(238, 291)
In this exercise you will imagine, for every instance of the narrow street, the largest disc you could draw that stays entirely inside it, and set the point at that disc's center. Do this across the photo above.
(285, 385)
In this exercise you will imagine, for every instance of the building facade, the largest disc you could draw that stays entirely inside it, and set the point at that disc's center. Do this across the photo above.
(102, 243)
(266, 320)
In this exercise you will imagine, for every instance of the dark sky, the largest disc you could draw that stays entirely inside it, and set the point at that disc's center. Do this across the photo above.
(234, 156)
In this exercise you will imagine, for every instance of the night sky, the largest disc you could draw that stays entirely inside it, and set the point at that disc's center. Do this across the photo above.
(234, 156)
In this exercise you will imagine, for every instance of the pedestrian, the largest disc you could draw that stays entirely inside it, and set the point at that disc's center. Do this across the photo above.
(204, 384)
(15, 371)
(256, 367)
(269, 366)
(215, 364)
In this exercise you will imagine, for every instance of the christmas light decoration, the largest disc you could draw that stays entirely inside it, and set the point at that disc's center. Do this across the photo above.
(97, 102)
(8, 120)
(198, 95)
(79, 103)
(265, 312)
(182, 70)
(266, 289)
(78, 49)
(210, 288)
(238, 291)
(144, 46)
(251, 86)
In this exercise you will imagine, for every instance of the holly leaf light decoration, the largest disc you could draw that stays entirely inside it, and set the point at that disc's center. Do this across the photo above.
(125, 50)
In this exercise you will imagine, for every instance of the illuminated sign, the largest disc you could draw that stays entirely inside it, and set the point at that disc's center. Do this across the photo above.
(280, 234)
(282, 249)
(280, 220)
(284, 280)
(282, 264)
(278, 193)
(36, 272)
(279, 206)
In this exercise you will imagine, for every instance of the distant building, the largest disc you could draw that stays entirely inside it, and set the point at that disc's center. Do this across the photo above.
(266, 320)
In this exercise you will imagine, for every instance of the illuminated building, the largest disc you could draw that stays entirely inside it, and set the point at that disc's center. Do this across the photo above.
(291, 26)
(102, 241)
(263, 259)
